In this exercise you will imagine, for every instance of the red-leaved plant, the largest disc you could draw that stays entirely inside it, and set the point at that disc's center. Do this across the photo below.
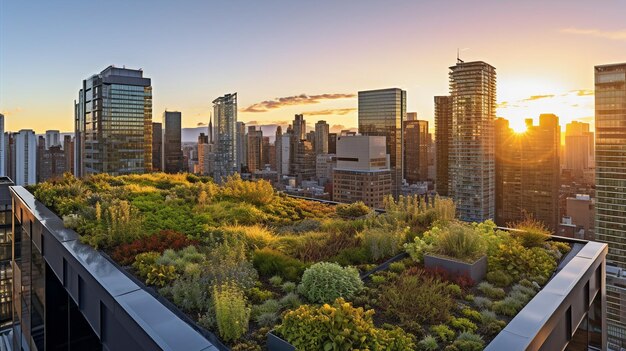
(165, 239)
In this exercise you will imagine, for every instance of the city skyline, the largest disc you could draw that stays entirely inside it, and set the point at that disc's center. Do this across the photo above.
(532, 77)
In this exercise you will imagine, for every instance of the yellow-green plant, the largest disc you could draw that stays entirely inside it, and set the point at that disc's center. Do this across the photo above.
(231, 311)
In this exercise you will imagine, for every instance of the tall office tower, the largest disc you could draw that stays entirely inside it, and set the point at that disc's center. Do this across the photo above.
(321, 137)
(362, 172)
(25, 157)
(41, 148)
(299, 127)
(278, 150)
(381, 113)
(68, 150)
(579, 147)
(283, 153)
(113, 123)
(53, 138)
(157, 147)
(242, 147)
(265, 151)
(9, 146)
(303, 165)
(310, 137)
(415, 151)
(332, 143)
(211, 128)
(528, 172)
(3, 170)
(471, 153)
(225, 112)
(271, 153)
(172, 148)
(443, 129)
(203, 154)
(255, 149)
(610, 121)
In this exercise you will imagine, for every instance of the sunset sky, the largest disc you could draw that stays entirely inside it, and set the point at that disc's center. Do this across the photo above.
(287, 57)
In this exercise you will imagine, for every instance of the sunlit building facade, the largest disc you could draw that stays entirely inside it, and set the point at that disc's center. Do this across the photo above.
(415, 151)
(113, 123)
(443, 120)
(225, 112)
(471, 155)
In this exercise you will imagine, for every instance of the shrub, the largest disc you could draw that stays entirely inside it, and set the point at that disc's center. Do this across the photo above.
(428, 343)
(499, 278)
(471, 314)
(378, 279)
(531, 232)
(508, 307)
(417, 297)
(468, 341)
(144, 263)
(288, 287)
(231, 311)
(227, 263)
(490, 291)
(290, 301)
(490, 324)
(189, 293)
(482, 302)
(419, 247)
(323, 328)
(257, 295)
(184, 259)
(161, 275)
(271, 262)
(159, 242)
(462, 324)
(469, 298)
(520, 262)
(257, 193)
(460, 241)
(266, 314)
(324, 282)
(454, 290)
(352, 256)
(353, 210)
(276, 281)
(443, 332)
(382, 243)
(397, 267)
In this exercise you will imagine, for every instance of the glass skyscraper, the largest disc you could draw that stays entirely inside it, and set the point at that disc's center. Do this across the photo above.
(113, 123)
(610, 124)
(381, 113)
(172, 151)
(472, 145)
(225, 112)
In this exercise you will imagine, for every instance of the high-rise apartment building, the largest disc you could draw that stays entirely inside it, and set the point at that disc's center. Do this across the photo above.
(415, 151)
(332, 143)
(381, 113)
(172, 148)
(68, 150)
(443, 129)
(528, 172)
(52, 163)
(610, 150)
(471, 154)
(321, 137)
(225, 112)
(113, 123)
(299, 127)
(3, 149)
(157, 147)
(579, 147)
(242, 147)
(255, 149)
(25, 157)
(204, 154)
(362, 172)
(53, 138)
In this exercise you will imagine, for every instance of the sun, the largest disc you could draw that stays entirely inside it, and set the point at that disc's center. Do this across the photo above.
(519, 127)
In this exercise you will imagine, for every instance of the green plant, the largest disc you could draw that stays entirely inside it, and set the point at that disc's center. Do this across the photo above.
(290, 301)
(531, 232)
(378, 279)
(161, 275)
(468, 341)
(462, 324)
(324, 282)
(271, 262)
(418, 297)
(266, 314)
(227, 263)
(508, 307)
(397, 267)
(454, 290)
(520, 262)
(289, 287)
(276, 280)
(471, 314)
(189, 293)
(144, 263)
(339, 327)
(490, 324)
(469, 298)
(443, 332)
(482, 302)
(460, 241)
(257, 295)
(231, 311)
(428, 343)
(422, 245)
(353, 210)
(382, 242)
(499, 278)
(490, 291)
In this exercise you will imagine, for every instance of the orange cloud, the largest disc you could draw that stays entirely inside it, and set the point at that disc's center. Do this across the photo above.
(302, 99)
(538, 97)
(606, 34)
(583, 92)
(336, 111)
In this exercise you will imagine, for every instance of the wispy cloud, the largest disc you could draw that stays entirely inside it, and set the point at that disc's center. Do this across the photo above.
(583, 92)
(302, 99)
(598, 33)
(335, 111)
(11, 111)
(201, 124)
(538, 97)
(337, 128)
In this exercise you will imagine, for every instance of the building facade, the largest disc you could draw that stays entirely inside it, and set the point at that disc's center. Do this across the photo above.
(610, 151)
(52, 163)
(322, 130)
(68, 149)
(242, 146)
(172, 148)
(157, 147)
(3, 149)
(255, 149)
(415, 151)
(53, 138)
(381, 113)
(25, 157)
(225, 112)
(443, 130)
(471, 154)
(362, 172)
(113, 123)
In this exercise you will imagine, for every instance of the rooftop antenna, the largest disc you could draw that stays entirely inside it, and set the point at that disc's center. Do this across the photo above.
(458, 54)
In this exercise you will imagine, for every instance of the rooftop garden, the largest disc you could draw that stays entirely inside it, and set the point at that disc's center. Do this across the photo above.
(243, 260)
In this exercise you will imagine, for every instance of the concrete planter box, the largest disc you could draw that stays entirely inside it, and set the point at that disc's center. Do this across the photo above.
(276, 343)
(476, 270)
